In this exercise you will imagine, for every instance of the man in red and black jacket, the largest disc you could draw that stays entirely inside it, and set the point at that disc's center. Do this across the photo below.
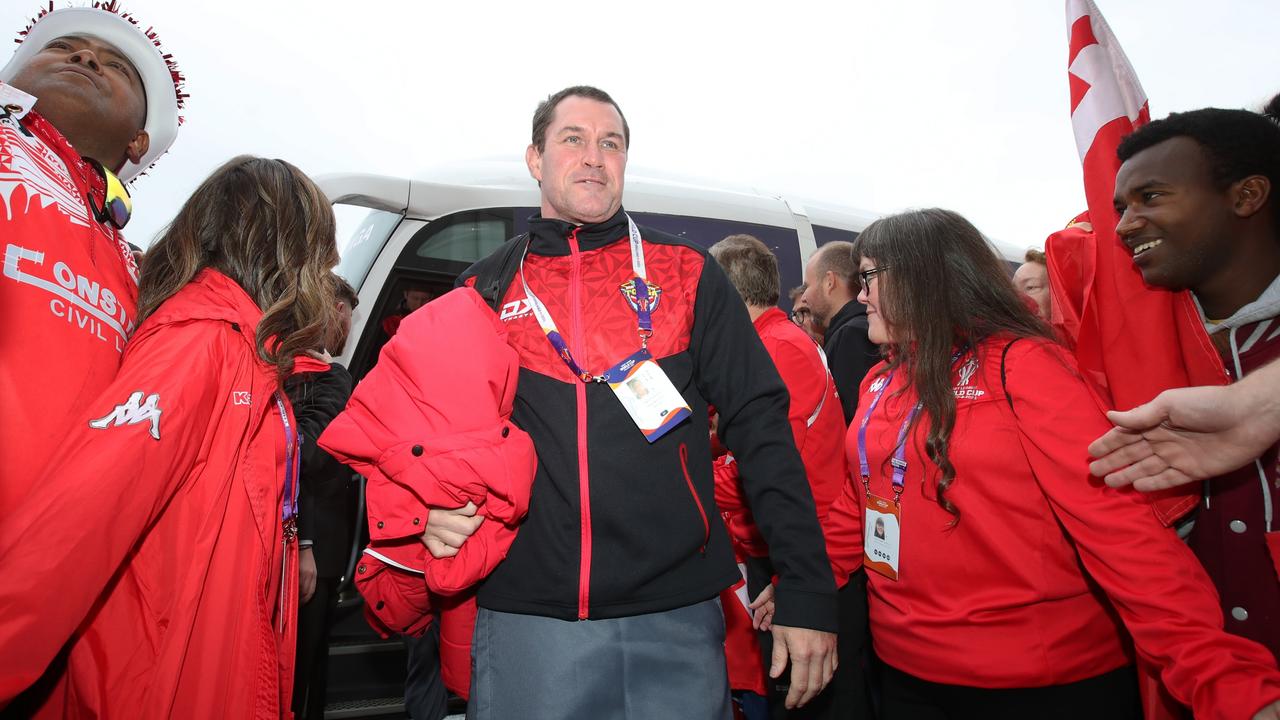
(619, 563)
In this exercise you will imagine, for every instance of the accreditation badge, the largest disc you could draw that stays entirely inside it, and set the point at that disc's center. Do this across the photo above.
(654, 404)
(882, 534)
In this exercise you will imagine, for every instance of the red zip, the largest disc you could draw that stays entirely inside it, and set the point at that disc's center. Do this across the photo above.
(706, 526)
(584, 486)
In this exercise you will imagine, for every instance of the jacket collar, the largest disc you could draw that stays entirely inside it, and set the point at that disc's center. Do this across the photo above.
(851, 310)
(209, 296)
(769, 317)
(548, 236)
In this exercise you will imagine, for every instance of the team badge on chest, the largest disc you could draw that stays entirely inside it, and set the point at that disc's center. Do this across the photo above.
(629, 292)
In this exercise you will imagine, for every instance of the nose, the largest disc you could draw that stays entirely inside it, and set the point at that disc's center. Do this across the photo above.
(863, 295)
(594, 156)
(1129, 223)
(85, 56)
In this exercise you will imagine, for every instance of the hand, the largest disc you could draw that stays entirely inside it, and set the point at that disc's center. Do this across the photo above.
(1181, 436)
(762, 609)
(813, 661)
(1270, 712)
(306, 575)
(448, 529)
(321, 355)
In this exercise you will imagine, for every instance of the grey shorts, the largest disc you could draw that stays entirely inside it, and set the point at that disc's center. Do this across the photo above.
(647, 667)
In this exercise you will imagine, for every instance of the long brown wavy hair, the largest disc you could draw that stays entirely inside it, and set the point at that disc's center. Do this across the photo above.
(945, 288)
(264, 224)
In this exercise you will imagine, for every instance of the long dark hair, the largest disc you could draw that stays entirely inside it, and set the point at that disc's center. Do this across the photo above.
(264, 224)
(945, 288)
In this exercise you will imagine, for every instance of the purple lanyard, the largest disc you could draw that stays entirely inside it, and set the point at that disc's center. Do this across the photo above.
(643, 305)
(899, 460)
(291, 466)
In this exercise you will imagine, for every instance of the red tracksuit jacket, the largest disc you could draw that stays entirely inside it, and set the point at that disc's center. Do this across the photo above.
(1002, 598)
(153, 541)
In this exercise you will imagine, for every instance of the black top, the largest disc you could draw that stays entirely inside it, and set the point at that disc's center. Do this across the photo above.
(850, 354)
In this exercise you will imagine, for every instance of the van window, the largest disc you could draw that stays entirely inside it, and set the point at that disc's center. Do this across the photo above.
(451, 243)
(823, 234)
(361, 234)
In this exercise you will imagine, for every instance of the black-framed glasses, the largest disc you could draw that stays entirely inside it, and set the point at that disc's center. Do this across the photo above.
(799, 317)
(116, 207)
(866, 275)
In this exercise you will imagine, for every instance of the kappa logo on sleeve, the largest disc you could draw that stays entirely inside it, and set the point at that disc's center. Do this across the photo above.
(133, 411)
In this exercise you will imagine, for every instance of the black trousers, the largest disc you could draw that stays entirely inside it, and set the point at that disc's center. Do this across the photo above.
(1110, 696)
(311, 673)
(847, 695)
(425, 697)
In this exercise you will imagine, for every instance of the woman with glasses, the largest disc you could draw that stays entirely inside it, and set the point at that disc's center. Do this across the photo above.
(1004, 581)
(158, 545)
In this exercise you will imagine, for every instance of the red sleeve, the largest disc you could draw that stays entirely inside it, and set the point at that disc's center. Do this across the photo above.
(745, 536)
(1155, 583)
(390, 578)
(843, 530)
(62, 544)
(806, 380)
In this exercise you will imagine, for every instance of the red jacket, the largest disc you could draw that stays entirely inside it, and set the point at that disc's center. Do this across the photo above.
(817, 425)
(429, 426)
(1000, 599)
(69, 293)
(153, 541)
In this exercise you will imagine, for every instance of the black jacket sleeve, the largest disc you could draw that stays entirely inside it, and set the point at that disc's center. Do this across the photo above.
(735, 373)
(317, 398)
(850, 355)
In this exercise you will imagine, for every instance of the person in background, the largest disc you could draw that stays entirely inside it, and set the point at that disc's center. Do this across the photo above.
(999, 587)
(1032, 279)
(830, 292)
(160, 542)
(817, 425)
(802, 316)
(325, 517)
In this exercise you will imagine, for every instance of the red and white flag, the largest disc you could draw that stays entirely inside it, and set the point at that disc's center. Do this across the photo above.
(1132, 341)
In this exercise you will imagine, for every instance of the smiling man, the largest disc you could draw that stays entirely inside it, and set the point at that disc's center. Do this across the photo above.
(606, 604)
(1196, 194)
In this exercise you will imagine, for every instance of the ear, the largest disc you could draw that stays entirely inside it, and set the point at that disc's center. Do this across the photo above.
(138, 146)
(1249, 195)
(533, 159)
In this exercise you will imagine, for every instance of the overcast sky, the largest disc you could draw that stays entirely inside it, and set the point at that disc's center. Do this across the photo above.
(874, 105)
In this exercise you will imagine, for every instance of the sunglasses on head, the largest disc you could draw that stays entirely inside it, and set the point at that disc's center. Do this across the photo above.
(116, 207)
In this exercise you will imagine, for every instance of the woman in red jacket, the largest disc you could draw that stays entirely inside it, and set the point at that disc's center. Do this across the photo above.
(1002, 576)
(159, 544)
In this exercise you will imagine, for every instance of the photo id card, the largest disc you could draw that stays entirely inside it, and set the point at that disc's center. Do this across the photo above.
(654, 404)
(882, 532)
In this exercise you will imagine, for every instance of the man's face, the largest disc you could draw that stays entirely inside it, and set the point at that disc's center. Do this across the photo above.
(817, 291)
(91, 93)
(581, 168)
(1032, 280)
(1178, 225)
(414, 299)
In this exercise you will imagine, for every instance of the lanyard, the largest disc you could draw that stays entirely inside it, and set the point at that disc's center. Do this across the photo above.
(899, 459)
(643, 305)
(291, 466)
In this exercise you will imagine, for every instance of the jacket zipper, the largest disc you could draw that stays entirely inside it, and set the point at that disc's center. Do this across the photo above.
(702, 512)
(584, 487)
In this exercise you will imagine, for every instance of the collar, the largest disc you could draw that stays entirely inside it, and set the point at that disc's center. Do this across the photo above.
(851, 310)
(772, 316)
(1267, 305)
(548, 236)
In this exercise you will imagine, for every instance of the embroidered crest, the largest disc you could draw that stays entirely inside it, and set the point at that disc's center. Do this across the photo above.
(963, 391)
(628, 289)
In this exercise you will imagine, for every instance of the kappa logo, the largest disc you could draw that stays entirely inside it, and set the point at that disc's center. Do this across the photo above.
(878, 384)
(963, 391)
(240, 397)
(133, 412)
(515, 309)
